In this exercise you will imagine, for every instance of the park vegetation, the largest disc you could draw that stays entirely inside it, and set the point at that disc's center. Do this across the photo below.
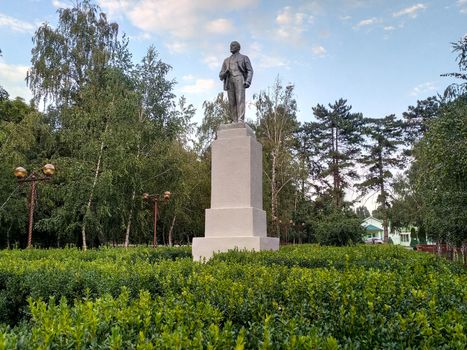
(301, 297)
(115, 129)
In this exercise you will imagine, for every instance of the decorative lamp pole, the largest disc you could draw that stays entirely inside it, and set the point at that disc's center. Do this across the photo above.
(155, 199)
(22, 176)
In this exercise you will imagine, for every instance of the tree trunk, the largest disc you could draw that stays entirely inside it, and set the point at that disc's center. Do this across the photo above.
(133, 195)
(385, 226)
(337, 185)
(383, 199)
(464, 253)
(274, 193)
(8, 236)
(91, 194)
(171, 230)
(130, 217)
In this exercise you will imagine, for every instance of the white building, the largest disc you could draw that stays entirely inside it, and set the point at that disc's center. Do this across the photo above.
(374, 228)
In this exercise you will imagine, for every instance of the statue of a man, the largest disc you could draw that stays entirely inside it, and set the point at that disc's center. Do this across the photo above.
(236, 73)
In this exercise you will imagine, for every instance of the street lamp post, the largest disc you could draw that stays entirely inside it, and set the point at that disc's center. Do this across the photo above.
(22, 176)
(155, 199)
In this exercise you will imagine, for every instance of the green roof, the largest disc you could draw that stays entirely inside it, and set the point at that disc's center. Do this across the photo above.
(373, 228)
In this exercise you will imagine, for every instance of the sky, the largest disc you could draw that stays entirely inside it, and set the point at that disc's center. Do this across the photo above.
(382, 56)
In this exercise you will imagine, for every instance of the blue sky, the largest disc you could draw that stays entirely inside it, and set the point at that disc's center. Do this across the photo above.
(380, 55)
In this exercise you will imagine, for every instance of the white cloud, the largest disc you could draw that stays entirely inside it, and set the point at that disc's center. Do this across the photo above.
(140, 37)
(389, 28)
(266, 62)
(411, 11)
(182, 19)
(176, 46)
(61, 4)
(462, 5)
(114, 7)
(199, 87)
(181, 24)
(345, 18)
(291, 23)
(318, 50)
(188, 77)
(262, 61)
(213, 62)
(367, 22)
(16, 25)
(12, 78)
(423, 88)
(219, 26)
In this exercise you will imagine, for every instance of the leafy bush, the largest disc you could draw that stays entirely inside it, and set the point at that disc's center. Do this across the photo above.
(339, 229)
(300, 297)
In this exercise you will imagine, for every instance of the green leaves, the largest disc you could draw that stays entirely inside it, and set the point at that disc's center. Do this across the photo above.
(299, 297)
(439, 174)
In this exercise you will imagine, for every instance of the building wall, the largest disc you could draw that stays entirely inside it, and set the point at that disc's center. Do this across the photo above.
(398, 237)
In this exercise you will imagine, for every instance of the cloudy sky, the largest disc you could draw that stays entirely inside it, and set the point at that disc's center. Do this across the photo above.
(380, 55)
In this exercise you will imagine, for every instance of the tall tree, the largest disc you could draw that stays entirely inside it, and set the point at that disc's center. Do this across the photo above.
(70, 69)
(215, 113)
(458, 89)
(158, 122)
(439, 175)
(72, 55)
(340, 139)
(308, 153)
(362, 212)
(417, 118)
(406, 208)
(276, 123)
(3, 93)
(25, 140)
(382, 157)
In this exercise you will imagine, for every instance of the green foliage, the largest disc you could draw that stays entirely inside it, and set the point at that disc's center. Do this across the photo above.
(24, 141)
(362, 212)
(339, 228)
(276, 125)
(215, 113)
(417, 118)
(440, 174)
(3, 93)
(300, 297)
(339, 138)
(382, 157)
(113, 129)
(74, 54)
(458, 89)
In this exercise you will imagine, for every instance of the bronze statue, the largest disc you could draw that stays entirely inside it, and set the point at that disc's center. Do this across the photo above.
(236, 73)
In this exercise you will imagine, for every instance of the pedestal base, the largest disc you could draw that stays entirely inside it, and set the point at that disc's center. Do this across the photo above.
(235, 222)
(205, 247)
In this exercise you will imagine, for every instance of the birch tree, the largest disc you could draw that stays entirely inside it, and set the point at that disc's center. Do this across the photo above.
(69, 62)
(276, 123)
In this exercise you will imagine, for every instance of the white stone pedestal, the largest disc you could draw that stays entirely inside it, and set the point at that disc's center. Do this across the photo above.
(236, 218)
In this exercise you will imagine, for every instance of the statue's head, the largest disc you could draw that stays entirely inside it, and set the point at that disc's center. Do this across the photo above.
(234, 46)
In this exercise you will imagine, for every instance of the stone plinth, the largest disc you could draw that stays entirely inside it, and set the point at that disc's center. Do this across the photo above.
(236, 218)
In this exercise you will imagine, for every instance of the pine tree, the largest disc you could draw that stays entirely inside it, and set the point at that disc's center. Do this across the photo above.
(339, 144)
(384, 138)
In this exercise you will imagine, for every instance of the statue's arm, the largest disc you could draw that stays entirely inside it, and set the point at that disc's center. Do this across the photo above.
(249, 71)
(224, 72)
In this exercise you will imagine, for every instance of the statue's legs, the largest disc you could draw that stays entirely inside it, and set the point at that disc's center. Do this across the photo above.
(236, 94)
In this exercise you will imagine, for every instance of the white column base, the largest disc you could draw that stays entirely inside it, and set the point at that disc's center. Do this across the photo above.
(236, 218)
(235, 222)
(205, 247)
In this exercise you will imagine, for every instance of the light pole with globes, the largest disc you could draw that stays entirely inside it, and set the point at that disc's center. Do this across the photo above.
(22, 176)
(155, 199)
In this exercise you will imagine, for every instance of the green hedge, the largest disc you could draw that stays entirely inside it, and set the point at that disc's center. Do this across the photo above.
(300, 297)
